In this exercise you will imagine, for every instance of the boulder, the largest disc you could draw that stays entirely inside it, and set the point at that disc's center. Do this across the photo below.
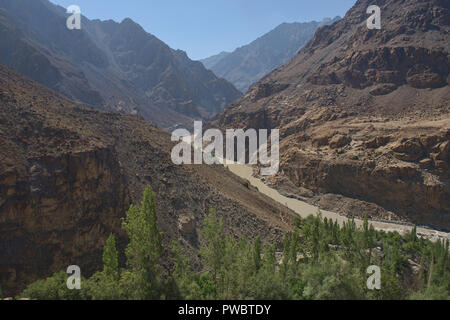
(186, 225)
(408, 150)
(339, 141)
(376, 142)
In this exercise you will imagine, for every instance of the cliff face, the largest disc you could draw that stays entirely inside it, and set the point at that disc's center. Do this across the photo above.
(60, 196)
(364, 114)
(58, 209)
(68, 174)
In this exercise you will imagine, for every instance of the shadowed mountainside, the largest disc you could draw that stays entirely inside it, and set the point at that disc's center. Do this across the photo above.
(69, 173)
(108, 65)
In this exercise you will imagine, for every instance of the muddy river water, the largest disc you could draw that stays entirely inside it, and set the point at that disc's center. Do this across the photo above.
(304, 209)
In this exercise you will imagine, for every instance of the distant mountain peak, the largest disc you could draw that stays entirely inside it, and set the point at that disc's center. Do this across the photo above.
(249, 63)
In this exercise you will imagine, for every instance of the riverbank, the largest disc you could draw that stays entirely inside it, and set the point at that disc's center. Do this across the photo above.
(304, 209)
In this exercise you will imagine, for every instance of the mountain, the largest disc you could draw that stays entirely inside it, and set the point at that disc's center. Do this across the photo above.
(108, 65)
(69, 173)
(248, 64)
(364, 115)
(213, 60)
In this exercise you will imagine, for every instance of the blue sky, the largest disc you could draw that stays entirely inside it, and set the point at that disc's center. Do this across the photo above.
(206, 27)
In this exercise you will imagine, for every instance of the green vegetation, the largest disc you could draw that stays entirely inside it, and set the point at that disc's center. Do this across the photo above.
(318, 260)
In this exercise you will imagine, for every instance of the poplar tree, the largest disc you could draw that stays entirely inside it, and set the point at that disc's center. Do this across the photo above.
(145, 247)
(214, 249)
(257, 254)
(110, 259)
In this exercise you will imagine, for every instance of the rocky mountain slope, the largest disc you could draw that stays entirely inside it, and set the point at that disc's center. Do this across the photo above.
(248, 64)
(108, 65)
(364, 114)
(69, 173)
(213, 60)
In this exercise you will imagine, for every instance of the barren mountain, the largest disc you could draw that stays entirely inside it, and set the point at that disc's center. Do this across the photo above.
(213, 60)
(69, 173)
(364, 114)
(248, 64)
(108, 65)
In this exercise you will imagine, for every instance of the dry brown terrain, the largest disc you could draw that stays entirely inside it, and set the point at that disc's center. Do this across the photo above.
(69, 173)
(364, 115)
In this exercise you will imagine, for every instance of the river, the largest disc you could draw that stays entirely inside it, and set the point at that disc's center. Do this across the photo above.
(304, 209)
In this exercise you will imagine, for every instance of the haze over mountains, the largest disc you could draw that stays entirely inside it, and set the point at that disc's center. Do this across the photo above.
(364, 115)
(108, 65)
(248, 64)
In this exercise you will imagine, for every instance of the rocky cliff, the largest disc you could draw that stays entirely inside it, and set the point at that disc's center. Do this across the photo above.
(69, 173)
(364, 114)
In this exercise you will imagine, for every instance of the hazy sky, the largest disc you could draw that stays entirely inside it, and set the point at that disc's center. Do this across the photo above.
(206, 27)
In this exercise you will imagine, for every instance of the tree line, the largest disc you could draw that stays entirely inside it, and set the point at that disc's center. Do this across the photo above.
(318, 260)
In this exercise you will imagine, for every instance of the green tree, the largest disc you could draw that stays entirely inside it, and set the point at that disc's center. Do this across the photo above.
(111, 259)
(54, 288)
(186, 286)
(144, 249)
(213, 252)
(431, 293)
(257, 254)
(104, 285)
